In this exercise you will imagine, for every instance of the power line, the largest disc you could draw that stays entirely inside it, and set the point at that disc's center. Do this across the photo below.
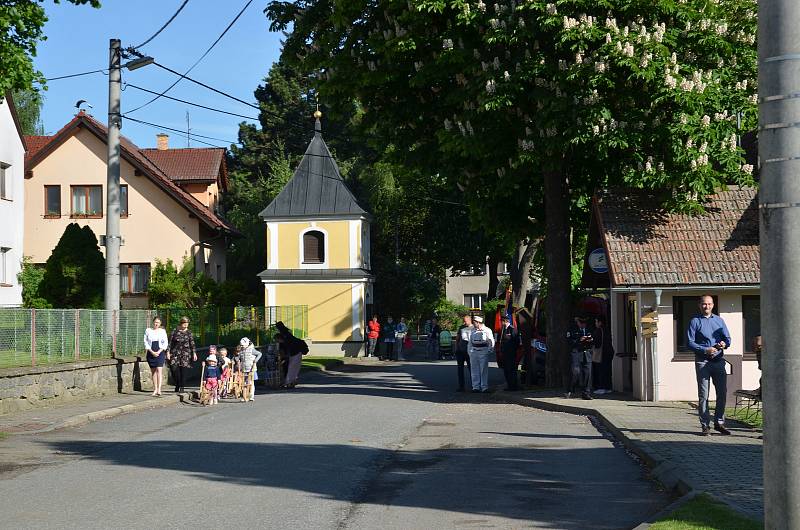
(167, 23)
(190, 103)
(193, 135)
(74, 75)
(195, 81)
(246, 5)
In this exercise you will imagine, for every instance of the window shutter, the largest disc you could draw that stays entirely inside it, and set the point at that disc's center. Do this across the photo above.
(313, 247)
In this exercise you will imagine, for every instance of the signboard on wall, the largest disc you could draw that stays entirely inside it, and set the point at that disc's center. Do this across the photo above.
(597, 261)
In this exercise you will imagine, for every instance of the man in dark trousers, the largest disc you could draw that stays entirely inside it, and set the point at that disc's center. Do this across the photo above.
(509, 343)
(580, 345)
(708, 337)
(462, 339)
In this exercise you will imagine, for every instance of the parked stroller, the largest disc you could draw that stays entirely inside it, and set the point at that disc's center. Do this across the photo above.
(446, 345)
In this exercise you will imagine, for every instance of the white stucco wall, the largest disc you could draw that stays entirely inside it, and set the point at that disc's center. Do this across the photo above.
(12, 209)
(676, 378)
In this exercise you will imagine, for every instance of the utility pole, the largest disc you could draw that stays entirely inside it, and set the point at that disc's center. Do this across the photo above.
(779, 220)
(112, 239)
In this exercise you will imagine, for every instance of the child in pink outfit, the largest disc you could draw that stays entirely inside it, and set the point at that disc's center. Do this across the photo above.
(212, 377)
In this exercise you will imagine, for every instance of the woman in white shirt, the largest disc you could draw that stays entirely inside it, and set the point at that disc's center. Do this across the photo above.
(155, 343)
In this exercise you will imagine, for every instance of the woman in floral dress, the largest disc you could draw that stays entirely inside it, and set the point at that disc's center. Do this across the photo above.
(181, 353)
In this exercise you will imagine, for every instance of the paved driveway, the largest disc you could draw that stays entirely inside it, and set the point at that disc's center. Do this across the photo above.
(377, 446)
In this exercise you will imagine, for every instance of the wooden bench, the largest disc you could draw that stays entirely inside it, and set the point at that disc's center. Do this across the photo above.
(749, 402)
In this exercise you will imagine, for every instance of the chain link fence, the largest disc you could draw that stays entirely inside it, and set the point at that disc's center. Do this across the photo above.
(35, 337)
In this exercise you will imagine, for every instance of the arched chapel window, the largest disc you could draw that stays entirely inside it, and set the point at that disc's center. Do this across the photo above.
(313, 247)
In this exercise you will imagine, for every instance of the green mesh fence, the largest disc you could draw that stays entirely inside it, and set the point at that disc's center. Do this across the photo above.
(34, 337)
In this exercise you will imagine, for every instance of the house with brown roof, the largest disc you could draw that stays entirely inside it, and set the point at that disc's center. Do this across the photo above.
(169, 201)
(653, 265)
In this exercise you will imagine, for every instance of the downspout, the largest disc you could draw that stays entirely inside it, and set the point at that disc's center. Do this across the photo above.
(654, 347)
(640, 349)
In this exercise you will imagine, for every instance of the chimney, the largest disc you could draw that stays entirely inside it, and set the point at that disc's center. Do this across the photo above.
(162, 141)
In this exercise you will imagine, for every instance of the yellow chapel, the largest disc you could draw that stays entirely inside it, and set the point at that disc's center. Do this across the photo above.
(318, 252)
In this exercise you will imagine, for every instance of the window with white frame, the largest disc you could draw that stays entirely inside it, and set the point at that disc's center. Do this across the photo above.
(4, 270)
(313, 247)
(474, 301)
(5, 181)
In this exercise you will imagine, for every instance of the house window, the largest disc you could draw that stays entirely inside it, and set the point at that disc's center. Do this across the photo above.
(314, 247)
(684, 308)
(123, 200)
(474, 301)
(134, 278)
(52, 201)
(4, 276)
(5, 181)
(751, 315)
(87, 201)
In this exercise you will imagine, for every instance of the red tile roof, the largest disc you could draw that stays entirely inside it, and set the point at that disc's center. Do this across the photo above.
(133, 154)
(34, 144)
(649, 246)
(190, 164)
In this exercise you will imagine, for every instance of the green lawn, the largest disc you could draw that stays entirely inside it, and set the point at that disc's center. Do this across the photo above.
(756, 421)
(704, 513)
(320, 363)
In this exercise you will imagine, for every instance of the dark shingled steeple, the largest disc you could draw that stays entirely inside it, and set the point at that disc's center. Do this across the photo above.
(316, 188)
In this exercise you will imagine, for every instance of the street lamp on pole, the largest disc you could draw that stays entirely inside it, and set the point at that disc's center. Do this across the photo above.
(113, 239)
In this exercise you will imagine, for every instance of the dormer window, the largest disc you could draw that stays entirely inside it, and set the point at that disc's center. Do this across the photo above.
(313, 247)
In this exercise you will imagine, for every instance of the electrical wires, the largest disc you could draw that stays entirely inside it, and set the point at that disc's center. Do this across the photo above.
(167, 23)
(75, 75)
(191, 135)
(246, 5)
(192, 104)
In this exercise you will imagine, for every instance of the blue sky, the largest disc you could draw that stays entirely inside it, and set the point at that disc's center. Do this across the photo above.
(77, 41)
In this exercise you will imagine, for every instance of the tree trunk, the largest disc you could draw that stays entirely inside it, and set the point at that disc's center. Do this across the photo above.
(557, 259)
(520, 271)
(494, 281)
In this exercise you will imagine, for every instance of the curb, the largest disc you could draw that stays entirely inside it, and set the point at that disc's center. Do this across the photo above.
(82, 419)
(663, 470)
(666, 510)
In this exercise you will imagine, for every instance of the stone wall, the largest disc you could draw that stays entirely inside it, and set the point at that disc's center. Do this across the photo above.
(27, 388)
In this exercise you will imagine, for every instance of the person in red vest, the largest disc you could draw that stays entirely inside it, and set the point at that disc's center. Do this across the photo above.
(372, 335)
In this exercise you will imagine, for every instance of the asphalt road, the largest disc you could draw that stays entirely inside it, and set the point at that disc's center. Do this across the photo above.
(372, 447)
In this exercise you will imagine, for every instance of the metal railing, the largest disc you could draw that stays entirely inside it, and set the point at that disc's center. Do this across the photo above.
(36, 337)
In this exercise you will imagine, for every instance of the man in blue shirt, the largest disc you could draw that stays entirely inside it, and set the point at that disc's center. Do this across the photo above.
(708, 336)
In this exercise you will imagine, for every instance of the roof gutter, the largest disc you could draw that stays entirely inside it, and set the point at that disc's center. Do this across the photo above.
(654, 288)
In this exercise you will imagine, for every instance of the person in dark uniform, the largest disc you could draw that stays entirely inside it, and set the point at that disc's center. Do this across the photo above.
(580, 344)
(509, 343)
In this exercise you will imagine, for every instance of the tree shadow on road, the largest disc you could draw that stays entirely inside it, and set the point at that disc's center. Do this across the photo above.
(542, 484)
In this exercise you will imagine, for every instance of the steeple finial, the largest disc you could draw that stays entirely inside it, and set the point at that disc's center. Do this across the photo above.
(317, 124)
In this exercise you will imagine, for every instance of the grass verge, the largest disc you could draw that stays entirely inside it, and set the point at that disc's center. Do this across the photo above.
(320, 363)
(704, 513)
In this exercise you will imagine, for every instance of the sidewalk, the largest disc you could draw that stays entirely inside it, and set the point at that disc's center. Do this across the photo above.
(666, 435)
(50, 418)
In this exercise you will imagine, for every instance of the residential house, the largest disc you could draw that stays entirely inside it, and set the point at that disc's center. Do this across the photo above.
(470, 288)
(654, 265)
(12, 202)
(164, 212)
(318, 252)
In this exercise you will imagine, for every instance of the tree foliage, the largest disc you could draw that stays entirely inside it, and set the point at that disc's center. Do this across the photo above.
(173, 287)
(29, 108)
(30, 277)
(530, 106)
(21, 28)
(74, 274)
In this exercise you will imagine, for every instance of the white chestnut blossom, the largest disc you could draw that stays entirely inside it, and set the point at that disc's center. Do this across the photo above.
(447, 44)
(447, 125)
(670, 81)
(703, 147)
(705, 121)
(627, 50)
(481, 6)
(747, 168)
(608, 38)
(551, 9)
(684, 119)
(506, 75)
(490, 86)
(496, 63)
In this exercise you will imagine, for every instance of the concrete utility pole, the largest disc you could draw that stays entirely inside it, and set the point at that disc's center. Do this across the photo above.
(779, 209)
(112, 177)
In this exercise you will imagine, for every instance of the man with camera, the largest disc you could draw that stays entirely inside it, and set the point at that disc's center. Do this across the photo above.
(708, 337)
(580, 342)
